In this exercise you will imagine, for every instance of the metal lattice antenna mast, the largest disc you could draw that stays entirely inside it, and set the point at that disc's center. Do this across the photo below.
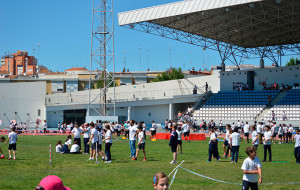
(102, 54)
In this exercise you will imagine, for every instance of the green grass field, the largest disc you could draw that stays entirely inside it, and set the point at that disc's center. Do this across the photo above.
(79, 173)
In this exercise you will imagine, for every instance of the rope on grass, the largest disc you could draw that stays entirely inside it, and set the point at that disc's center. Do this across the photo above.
(173, 178)
(209, 177)
(288, 183)
(176, 168)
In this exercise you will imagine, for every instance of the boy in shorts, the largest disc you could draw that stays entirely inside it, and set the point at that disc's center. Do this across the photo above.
(251, 168)
(141, 143)
(12, 138)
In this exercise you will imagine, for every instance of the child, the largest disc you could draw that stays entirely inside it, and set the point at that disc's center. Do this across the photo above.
(235, 144)
(66, 148)
(77, 134)
(173, 144)
(99, 148)
(12, 138)
(284, 133)
(108, 143)
(93, 140)
(161, 181)
(58, 146)
(141, 143)
(255, 139)
(290, 133)
(2, 139)
(86, 137)
(251, 168)
(179, 132)
(267, 140)
(280, 133)
(297, 146)
(75, 149)
(246, 131)
(226, 142)
(213, 146)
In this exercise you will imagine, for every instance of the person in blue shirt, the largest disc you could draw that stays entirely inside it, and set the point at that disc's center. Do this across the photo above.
(173, 144)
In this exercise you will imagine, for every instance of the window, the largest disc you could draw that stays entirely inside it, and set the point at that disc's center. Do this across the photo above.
(39, 112)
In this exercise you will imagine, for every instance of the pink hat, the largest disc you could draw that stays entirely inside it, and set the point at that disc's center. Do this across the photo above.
(53, 182)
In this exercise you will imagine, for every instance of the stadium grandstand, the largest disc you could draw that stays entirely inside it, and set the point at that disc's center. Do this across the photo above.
(243, 29)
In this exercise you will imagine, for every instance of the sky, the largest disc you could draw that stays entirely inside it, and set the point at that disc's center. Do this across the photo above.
(58, 34)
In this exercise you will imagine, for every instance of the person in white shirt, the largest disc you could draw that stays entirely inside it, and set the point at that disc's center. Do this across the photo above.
(267, 140)
(213, 146)
(239, 124)
(227, 142)
(86, 136)
(280, 133)
(285, 129)
(296, 137)
(179, 132)
(259, 132)
(58, 147)
(67, 145)
(58, 127)
(221, 126)
(290, 133)
(12, 138)
(93, 140)
(252, 169)
(132, 128)
(141, 142)
(232, 126)
(45, 127)
(186, 131)
(77, 134)
(153, 130)
(99, 148)
(75, 149)
(235, 144)
(108, 143)
(273, 125)
(246, 131)
(254, 136)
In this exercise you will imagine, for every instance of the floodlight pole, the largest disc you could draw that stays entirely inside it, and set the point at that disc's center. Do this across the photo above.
(102, 53)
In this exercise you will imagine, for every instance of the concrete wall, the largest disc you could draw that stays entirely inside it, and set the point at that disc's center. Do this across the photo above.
(23, 98)
(281, 75)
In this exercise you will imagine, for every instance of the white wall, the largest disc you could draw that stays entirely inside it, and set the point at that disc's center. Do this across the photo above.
(22, 98)
(53, 117)
(158, 113)
(281, 75)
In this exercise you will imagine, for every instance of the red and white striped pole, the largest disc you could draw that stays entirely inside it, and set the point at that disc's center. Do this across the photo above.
(50, 155)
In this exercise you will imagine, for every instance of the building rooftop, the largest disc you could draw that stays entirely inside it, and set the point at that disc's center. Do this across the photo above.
(77, 69)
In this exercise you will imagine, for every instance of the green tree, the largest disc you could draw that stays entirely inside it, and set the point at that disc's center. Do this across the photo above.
(292, 61)
(100, 83)
(171, 74)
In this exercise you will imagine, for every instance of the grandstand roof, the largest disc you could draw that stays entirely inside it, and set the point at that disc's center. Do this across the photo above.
(244, 23)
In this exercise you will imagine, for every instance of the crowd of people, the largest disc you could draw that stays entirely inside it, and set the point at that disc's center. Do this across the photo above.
(239, 86)
(276, 86)
(98, 133)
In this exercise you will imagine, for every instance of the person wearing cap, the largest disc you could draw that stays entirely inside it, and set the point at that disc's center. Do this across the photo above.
(51, 182)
